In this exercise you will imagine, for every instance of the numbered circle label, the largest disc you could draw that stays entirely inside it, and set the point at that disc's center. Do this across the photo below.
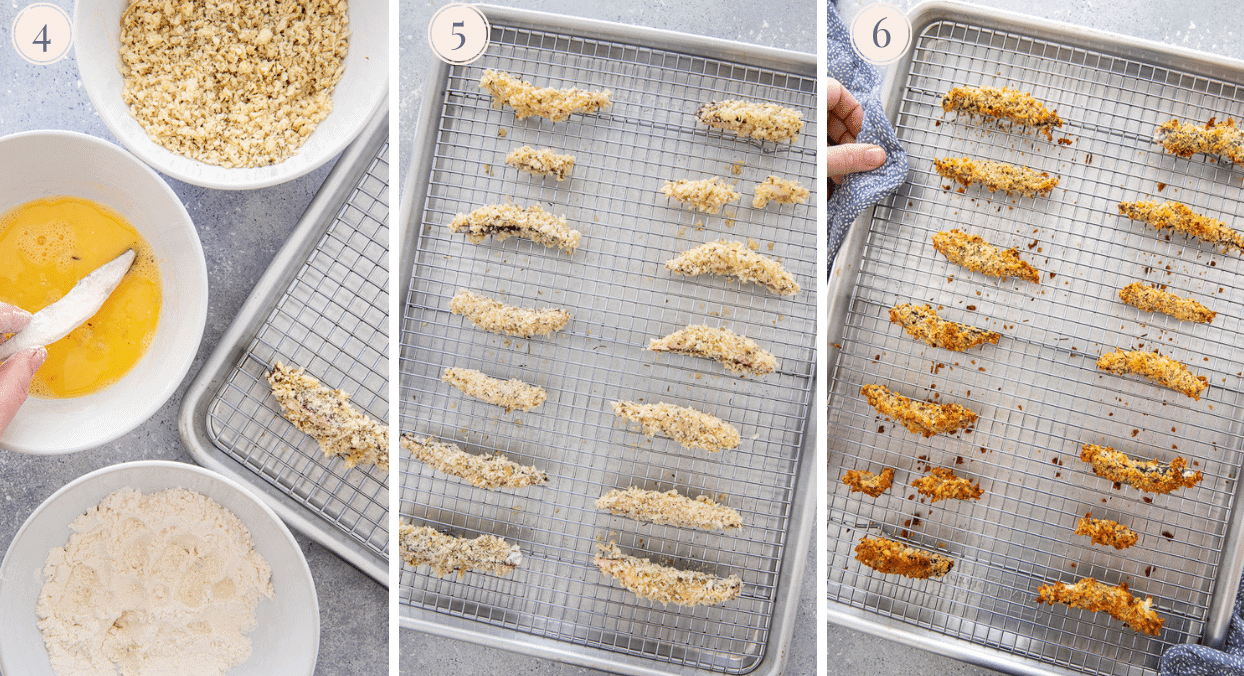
(458, 34)
(42, 33)
(881, 33)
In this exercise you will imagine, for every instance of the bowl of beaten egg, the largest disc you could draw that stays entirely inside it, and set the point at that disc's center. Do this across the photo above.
(68, 204)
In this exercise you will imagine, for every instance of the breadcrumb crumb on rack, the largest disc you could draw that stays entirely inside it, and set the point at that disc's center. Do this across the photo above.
(1150, 476)
(894, 558)
(1178, 217)
(1106, 532)
(996, 176)
(426, 546)
(708, 195)
(497, 317)
(670, 508)
(734, 259)
(664, 584)
(511, 394)
(923, 324)
(977, 255)
(327, 416)
(1153, 299)
(761, 121)
(1159, 368)
(919, 417)
(739, 354)
(1003, 104)
(779, 190)
(687, 426)
(1185, 140)
(546, 102)
(942, 484)
(872, 485)
(485, 471)
(510, 220)
(543, 162)
(1095, 596)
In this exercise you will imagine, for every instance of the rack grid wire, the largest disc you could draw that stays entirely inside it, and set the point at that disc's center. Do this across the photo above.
(1038, 392)
(620, 297)
(332, 322)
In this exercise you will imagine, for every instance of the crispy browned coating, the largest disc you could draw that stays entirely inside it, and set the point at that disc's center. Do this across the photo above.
(327, 416)
(485, 471)
(977, 255)
(425, 546)
(734, 259)
(895, 558)
(942, 484)
(527, 99)
(1003, 104)
(1106, 532)
(737, 353)
(1151, 476)
(664, 584)
(923, 324)
(497, 317)
(1184, 139)
(1153, 299)
(1158, 368)
(996, 176)
(1178, 217)
(872, 485)
(918, 416)
(1099, 597)
(762, 121)
(670, 508)
(510, 220)
(687, 426)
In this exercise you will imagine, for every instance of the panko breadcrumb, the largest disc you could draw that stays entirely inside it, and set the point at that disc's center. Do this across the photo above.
(1106, 532)
(996, 176)
(240, 84)
(923, 324)
(1178, 217)
(977, 255)
(663, 584)
(1004, 104)
(708, 195)
(918, 417)
(687, 426)
(737, 353)
(511, 394)
(780, 190)
(1153, 299)
(510, 220)
(1185, 140)
(1158, 368)
(1099, 597)
(670, 508)
(895, 558)
(942, 484)
(761, 121)
(544, 162)
(426, 546)
(326, 415)
(872, 485)
(528, 100)
(496, 317)
(734, 259)
(485, 471)
(1150, 476)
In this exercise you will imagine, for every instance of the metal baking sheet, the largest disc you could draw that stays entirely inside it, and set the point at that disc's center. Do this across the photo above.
(322, 305)
(558, 605)
(1038, 392)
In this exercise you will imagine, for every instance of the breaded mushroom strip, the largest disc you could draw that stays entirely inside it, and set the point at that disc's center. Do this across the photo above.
(542, 162)
(739, 354)
(485, 471)
(670, 508)
(426, 546)
(872, 485)
(528, 100)
(761, 121)
(327, 416)
(1150, 476)
(734, 259)
(1106, 532)
(944, 485)
(1003, 104)
(780, 190)
(1099, 597)
(663, 584)
(996, 176)
(1153, 299)
(923, 324)
(496, 317)
(1160, 369)
(1185, 140)
(511, 394)
(510, 220)
(918, 417)
(895, 558)
(977, 255)
(1178, 217)
(708, 195)
(687, 426)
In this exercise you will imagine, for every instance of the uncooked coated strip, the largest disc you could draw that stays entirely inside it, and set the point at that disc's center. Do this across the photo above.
(942, 484)
(484, 471)
(780, 190)
(1158, 368)
(497, 317)
(543, 162)
(1151, 476)
(670, 508)
(996, 176)
(426, 546)
(687, 426)
(708, 195)
(326, 415)
(872, 485)
(511, 394)
(923, 324)
(528, 100)
(737, 353)
(895, 558)
(734, 259)
(1106, 532)
(1178, 217)
(1153, 299)
(1003, 104)
(1099, 597)
(761, 121)
(918, 416)
(663, 584)
(1185, 140)
(510, 220)
(977, 255)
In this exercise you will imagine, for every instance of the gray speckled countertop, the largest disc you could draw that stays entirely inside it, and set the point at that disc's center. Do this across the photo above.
(240, 232)
(787, 25)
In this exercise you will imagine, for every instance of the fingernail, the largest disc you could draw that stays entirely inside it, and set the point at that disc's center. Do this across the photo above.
(37, 359)
(875, 156)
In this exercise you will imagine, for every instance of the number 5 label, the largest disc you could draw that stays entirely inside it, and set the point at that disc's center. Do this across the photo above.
(42, 33)
(458, 34)
(881, 34)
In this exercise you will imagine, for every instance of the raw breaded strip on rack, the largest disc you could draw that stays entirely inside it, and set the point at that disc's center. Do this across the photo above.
(670, 508)
(543, 162)
(326, 415)
(1185, 140)
(1106, 532)
(942, 484)
(872, 485)
(1153, 299)
(996, 176)
(1160, 369)
(1003, 104)
(1095, 596)
(511, 394)
(664, 584)
(1150, 476)
(547, 102)
(761, 121)
(485, 471)
(1178, 217)
(426, 546)
(895, 558)
(780, 190)
(918, 416)
(923, 324)
(708, 195)
(497, 317)
(510, 220)
(977, 255)
(734, 259)
(739, 354)
(687, 426)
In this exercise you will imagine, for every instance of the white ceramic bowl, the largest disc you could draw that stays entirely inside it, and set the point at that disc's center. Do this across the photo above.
(286, 640)
(363, 89)
(44, 163)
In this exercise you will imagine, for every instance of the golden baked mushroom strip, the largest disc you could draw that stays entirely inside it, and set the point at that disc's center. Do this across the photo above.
(923, 324)
(543, 162)
(1159, 368)
(739, 354)
(327, 416)
(547, 102)
(687, 426)
(708, 195)
(510, 220)
(484, 471)
(734, 259)
(670, 508)
(1106, 532)
(942, 484)
(496, 317)
(996, 176)
(872, 485)
(664, 584)
(1095, 596)
(1003, 104)
(919, 417)
(426, 546)
(752, 119)
(1153, 299)
(1178, 217)
(977, 255)
(779, 190)
(511, 394)
(894, 558)
(1150, 476)
(1185, 140)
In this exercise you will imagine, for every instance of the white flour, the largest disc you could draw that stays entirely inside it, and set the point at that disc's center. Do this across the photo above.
(162, 584)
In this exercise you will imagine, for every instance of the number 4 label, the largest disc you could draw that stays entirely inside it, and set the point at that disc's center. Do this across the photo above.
(881, 33)
(42, 33)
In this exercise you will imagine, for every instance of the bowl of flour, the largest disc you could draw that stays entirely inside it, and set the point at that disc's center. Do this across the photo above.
(156, 567)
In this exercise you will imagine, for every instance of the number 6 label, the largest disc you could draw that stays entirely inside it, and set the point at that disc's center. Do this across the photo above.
(458, 34)
(881, 34)
(42, 33)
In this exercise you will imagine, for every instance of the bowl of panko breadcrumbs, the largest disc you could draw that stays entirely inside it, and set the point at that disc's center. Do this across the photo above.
(234, 95)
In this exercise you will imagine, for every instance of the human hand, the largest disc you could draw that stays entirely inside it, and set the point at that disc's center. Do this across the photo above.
(846, 156)
(17, 371)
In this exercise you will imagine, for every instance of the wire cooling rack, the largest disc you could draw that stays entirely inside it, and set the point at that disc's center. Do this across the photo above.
(1038, 393)
(620, 296)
